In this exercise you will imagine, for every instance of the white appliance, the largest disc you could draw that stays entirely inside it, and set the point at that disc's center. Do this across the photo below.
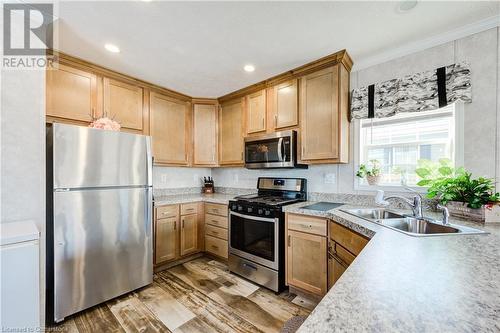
(20, 277)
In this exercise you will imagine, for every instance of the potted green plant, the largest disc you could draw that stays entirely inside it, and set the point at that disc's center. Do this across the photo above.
(464, 195)
(370, 171)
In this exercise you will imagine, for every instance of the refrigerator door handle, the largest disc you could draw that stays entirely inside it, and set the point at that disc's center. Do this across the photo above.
(149, 159)
(149, 213)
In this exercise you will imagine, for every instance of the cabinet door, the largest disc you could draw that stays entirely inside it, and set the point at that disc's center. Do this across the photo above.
(335, 269)
(165, 239)
(320, 115)
(169, 129)
(71, 93)
(285, 105)
(123, 103)
(189, 234)
(231, 133)
(256, 112)
(205, 134)
(307, 262)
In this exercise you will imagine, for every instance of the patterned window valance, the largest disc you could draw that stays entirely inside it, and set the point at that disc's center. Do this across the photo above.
(413, 93)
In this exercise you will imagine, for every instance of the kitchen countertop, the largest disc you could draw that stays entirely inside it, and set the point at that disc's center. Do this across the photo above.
(401, 283)
(219, 198)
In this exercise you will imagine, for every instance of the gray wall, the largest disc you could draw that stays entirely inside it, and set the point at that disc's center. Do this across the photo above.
(482, 147)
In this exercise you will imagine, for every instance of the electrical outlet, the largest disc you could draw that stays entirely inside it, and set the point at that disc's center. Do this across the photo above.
(330, 178)
(235, 178)
(164, 179)
(196, 178)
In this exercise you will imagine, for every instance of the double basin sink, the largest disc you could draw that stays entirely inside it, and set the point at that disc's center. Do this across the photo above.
(409, 224)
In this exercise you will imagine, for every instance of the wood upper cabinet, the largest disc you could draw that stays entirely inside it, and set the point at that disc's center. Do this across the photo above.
(189, 234)
(123, 102)
(307, 262)
(324, 121)
(205, 134)
(231, 133)
(256, 112)
(285, 105)
(71, 93)
(166, 239)
(169, 129)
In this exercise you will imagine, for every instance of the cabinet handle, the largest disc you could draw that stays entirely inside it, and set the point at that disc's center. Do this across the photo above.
(289, 240)
(182, 225)
(306, 226)
(189, 209)
(175, 225)
(214, 247)
(262, 122)
(275, 120)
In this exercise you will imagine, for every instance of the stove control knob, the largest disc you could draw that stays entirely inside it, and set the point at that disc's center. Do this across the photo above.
(240, 208)
(260, 211)
(249, 209)
(267, 212)
(233, 207)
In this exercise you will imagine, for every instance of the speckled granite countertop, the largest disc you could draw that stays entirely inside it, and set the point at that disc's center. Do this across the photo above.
(185, 198)
(400, 283)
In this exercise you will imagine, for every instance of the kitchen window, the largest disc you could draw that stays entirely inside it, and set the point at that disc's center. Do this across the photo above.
(398, 142)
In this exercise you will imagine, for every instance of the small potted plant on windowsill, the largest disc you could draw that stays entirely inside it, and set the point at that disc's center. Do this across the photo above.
(472, 198)
(371, 172)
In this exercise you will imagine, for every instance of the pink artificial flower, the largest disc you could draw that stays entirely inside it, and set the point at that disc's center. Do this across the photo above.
(106, 124)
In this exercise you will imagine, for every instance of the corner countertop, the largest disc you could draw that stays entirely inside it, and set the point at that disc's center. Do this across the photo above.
(218, 198)
(400, 283)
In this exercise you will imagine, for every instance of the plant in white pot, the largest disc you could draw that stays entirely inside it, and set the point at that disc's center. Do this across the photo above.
(464, 195)
(371, 171)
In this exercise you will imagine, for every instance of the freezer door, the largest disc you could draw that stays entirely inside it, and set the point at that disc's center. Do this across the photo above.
(102, 246)
(85, 157)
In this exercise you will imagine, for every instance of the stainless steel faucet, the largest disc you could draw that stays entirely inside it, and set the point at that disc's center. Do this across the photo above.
(446, 214)
(415, 204)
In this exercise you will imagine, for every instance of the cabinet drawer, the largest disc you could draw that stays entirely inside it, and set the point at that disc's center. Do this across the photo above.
(350, 240)
(216, 246)
(216, 209)
(215, 220)
(163, 212)
(189, 208)
(312, 225)
(210, 230)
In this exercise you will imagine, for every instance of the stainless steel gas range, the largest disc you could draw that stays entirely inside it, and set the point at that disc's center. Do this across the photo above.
(257, 230)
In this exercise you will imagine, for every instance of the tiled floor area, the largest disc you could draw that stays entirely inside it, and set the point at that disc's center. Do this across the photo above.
(198, 296)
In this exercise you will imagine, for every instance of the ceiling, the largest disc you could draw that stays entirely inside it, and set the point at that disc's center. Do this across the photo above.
(200, 48)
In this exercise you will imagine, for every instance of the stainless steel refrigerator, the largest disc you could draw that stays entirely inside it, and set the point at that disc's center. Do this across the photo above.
(99, 217)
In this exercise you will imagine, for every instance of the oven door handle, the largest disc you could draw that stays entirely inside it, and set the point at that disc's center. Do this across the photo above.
(280, 149)
(257, 218)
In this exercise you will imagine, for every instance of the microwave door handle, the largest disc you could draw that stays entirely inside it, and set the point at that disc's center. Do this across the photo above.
(280, 149)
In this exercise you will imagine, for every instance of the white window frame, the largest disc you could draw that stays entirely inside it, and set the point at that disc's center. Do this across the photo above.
(458, 152)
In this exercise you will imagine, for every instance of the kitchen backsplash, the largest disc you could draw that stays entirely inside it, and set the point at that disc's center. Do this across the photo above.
(177, 177)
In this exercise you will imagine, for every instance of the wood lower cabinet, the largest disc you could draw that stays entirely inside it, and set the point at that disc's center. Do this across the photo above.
(189, 234)
(324, 120)
(344, 245)
(166, 239)
(306, 262)
(231, 133)
(178, 231)
(71, 94)
(256, 112)
(285, 105)
(205, 143)
(169, 129)
(216, 230)
(123, 102)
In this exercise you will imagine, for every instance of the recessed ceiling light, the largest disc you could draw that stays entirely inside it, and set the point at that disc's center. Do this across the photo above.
(406, 5)
(112, 48)
(249, 68)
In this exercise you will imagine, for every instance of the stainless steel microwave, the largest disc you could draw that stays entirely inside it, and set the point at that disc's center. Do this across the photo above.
(275, 150)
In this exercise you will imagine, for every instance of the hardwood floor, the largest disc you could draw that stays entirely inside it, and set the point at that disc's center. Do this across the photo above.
(197, 296)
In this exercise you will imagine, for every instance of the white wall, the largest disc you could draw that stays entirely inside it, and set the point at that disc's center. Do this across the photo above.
(482, 146)
(178, 177)
(22, 171)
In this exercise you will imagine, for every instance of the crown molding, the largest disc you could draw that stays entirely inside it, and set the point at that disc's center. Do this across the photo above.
(423, 44)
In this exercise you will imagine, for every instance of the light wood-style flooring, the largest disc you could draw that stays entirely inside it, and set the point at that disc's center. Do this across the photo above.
(197, 296)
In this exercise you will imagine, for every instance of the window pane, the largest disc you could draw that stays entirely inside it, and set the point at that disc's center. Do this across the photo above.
(399, 142)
